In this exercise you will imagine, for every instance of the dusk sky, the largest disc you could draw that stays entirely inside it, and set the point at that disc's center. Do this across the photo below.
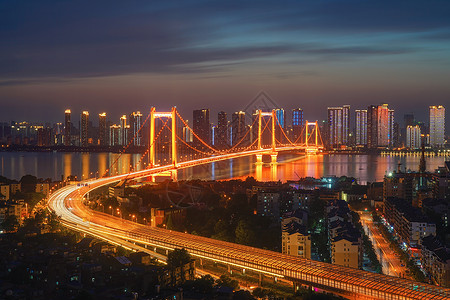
(121, 56)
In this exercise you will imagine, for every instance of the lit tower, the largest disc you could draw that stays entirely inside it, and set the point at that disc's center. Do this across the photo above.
(297, 123)
(123, 135)
(345, 124)
(221, 137)
(361, 126)
(201, 127)
(84, 129)
(335, 125)
(102, 129)
(67, 127)
(437, 126)
(237, 127)
(135, 124)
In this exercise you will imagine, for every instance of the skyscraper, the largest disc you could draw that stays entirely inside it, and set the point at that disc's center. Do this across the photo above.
(123, 133)
(437, 126)
(338, 125)
(201, 126)
(67, 128)
(84, 129)
(361, 127)
(413, 140)
(391, 126)
(102, 133)
(237, 127)
(380, 126)
(345, 124)
(114, 132)
(297, 124)
(281, 117)
(135, 125)
(222, 130)
(335, 126)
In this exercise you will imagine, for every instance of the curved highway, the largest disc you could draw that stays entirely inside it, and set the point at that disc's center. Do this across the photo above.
(356, 284)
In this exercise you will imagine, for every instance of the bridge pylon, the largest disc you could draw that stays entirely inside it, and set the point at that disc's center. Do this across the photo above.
(172, 115)
(315, 146)
(274, 152)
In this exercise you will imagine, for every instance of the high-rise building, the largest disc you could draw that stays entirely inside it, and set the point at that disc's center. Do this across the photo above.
(201, 127)
(380, 126)
(413, 140)
(297, 124)
(281, 117)
(409, 119)
(335, 126)
(114, 133)
(135, 126)
(67, 128)
(102, 133)
(221, 132)
(345, 124)
(123, 133)
(437, 126)
(339, 125)
(391, 127)
(84, 129)
(361, 127)
(237, 127)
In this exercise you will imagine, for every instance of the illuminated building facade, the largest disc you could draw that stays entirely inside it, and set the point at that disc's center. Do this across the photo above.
(237, 127)
(123, 133)
(84, 129)
(413, 140)
(102, 133)
(201, 127)
(437, 126)
(114, 132)
(135, 126)
(67, 128)
(221, 132)
(335, 126)
(380, 126)
(297, 124)
(361, 127)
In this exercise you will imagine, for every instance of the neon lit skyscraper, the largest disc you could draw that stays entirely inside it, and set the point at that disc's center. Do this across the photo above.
(297, 123)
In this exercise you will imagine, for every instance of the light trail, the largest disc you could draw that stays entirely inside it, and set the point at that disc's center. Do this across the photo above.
(354, 283)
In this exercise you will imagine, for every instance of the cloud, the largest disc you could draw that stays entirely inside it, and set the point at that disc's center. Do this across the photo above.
(69, 39)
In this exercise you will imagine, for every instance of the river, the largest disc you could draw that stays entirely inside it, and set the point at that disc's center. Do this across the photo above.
(366, 168)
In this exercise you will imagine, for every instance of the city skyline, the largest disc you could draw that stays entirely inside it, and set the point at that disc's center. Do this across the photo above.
(309, 55)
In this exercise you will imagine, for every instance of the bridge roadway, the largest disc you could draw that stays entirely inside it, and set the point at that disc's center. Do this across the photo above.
(353, 283)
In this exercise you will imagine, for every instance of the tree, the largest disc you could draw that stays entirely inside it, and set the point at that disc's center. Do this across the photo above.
(178, 258)
(28, 183)
(10, 223)
(226, 281)
(203, 284)
(169, 224)
(244, 234)
(243, 295)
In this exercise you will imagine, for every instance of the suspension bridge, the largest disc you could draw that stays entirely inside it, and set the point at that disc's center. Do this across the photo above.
(269, 139)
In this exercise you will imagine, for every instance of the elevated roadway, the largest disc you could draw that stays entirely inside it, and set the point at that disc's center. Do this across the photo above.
(353, 283)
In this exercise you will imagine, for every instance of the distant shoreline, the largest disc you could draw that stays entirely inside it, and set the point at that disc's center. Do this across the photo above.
(89, 149)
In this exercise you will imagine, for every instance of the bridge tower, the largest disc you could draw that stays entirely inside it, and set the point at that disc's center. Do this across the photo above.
(274, 153)
(314, 131)
(172, 115)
